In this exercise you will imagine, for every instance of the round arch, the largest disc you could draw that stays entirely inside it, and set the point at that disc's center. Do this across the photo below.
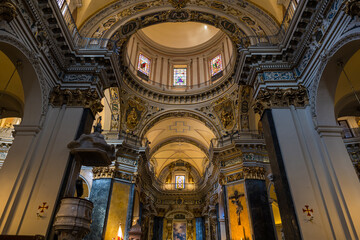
(179, 113)
(171, 214)
(326, 81)
(184, 139)
(34, 104)
(254, 21)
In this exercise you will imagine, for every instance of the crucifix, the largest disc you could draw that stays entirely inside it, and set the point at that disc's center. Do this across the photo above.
(235, 199)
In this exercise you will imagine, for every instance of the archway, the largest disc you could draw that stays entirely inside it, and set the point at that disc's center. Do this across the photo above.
(20, 94)
(327, 84)
(29, 75)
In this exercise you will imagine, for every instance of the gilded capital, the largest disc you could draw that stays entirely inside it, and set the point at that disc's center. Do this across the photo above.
(352, 7)
(254, 173)
(270, 98)
(7, 10)
(87, 98)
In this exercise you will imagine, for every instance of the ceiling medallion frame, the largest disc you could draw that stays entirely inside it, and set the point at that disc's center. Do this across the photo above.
(178, 4)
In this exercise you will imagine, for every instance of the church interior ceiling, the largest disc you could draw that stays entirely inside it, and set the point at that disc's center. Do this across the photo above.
(249, 18)
(175, 139)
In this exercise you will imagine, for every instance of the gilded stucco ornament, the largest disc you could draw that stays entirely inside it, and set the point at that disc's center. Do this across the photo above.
(352, 8)
(224, 109)
(7, 10)
(111, 172)
(178, 4)
(244, 99)
(270, 98)
(134, 112)
(247, 172)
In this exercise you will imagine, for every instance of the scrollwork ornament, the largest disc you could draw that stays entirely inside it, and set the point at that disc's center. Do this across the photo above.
(7, 10)
(178, 4)
(352, 8)
(269, 98)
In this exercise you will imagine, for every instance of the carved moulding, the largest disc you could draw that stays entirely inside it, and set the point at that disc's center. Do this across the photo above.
(73, 219)
(110, 172)
(178, 4)
(248, 172)
(325, 58)
(35, 62)
(87, 98)
(352, 8)
(270, 98)
(7, 10)
(92, 150)
(224, 109)
(180, 113)
(236, 34)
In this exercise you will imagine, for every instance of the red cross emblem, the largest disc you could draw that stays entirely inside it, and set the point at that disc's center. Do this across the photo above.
(43, 207)
(308, 211)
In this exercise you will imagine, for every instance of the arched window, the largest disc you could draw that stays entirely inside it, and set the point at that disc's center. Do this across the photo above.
(180, 76)
(216, 65)
(180, 182)
(144, 65)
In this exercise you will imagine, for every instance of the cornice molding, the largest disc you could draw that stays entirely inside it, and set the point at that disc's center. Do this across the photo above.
(195, 50)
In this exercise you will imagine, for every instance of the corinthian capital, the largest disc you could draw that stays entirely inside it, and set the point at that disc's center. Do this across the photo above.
(7, 10)
(352, 7)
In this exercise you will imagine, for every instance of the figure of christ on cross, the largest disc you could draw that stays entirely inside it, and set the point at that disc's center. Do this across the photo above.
(235, 199)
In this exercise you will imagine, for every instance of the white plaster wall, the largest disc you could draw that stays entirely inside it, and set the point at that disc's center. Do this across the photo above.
(162, 62)
(35, 171)
(320, 175)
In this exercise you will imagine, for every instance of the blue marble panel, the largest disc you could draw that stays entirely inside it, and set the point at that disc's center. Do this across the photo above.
(99, 195)
(200, 229)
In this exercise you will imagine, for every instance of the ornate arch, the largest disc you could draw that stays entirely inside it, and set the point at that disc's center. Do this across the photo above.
(180, 139)
(253, 20)
(179, 113)
(14, 48)
(351, 40)
(165, 171)
(171, 214)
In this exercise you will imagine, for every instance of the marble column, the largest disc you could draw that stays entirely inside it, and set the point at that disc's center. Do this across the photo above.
(100, 196)
(286, 205)
(200, 228)
(259, 209)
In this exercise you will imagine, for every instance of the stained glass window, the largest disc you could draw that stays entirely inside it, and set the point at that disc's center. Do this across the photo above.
(179, 76)
(216, 65)
(144, 65)
(179, 182)
(60, 3)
